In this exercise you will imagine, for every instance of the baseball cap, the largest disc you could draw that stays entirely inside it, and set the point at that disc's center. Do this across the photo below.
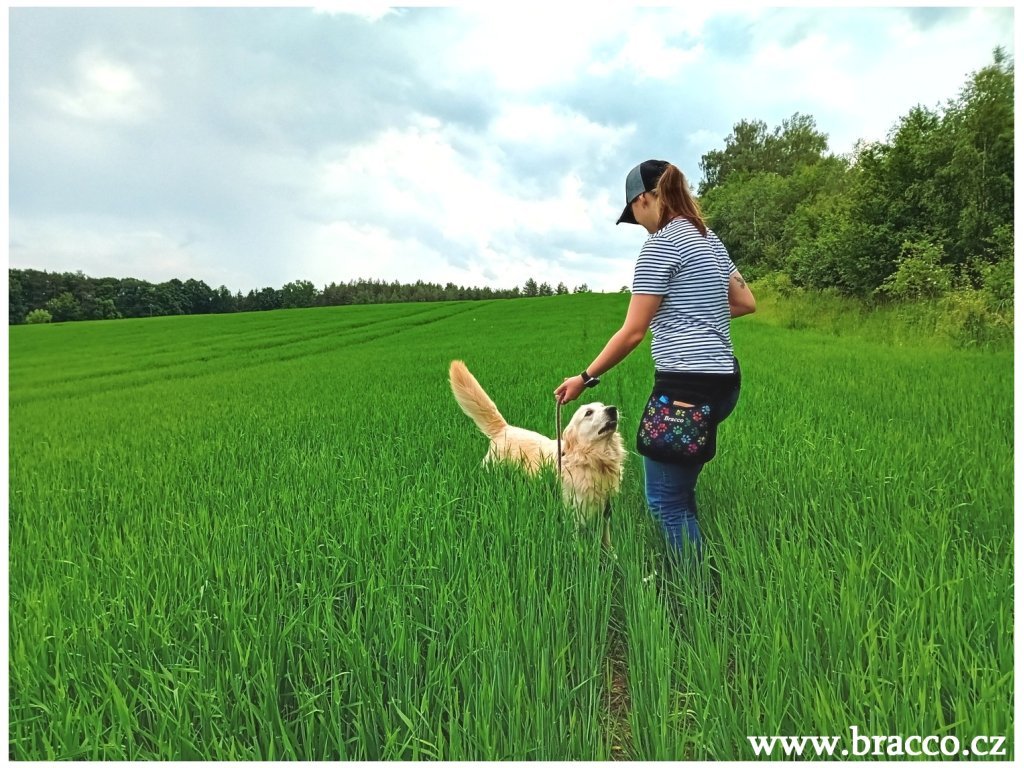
(643, 178)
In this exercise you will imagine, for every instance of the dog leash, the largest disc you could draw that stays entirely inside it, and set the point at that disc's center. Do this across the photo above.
(558, 433)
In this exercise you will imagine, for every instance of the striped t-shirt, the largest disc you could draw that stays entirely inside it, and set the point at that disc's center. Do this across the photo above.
(691, 327)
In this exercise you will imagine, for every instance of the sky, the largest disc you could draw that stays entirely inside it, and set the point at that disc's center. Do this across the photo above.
(252, 147)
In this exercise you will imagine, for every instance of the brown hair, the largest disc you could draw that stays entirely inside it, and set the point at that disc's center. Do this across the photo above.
(676, 200)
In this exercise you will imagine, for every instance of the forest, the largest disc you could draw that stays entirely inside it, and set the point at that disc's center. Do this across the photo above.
(928, 211)
(925, 215)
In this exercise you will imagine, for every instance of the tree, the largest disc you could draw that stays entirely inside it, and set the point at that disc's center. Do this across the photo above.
(135, 298)
(199, 297)
(222, 301)
(530, 288)
(545, 290)
(64, 307)
(30, 289)
(17, 299)
(837, 243)
(267, 298)
(561, 290)
(976, 183)
(300, 293)
(748, 215)
(171, 298)
(104, 309)
(919, 275)
(37, 316)
(742, 155)
(754, 215)
(945, 179)
(751, 150)
(101, 303)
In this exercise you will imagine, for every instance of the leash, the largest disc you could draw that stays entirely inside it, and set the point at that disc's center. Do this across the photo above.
(606, 534)
(558, 434)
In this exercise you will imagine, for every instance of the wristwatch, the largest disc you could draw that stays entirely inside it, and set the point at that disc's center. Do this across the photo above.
(590, 381)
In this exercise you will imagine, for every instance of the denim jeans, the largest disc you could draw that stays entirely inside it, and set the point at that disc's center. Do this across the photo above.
(672, 498)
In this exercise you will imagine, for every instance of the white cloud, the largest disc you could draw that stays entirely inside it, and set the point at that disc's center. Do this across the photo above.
(490, 141)
(111, 248)
(102, 90)
(855, 88)
(645, 51)
(366, 9)
(469, 197)
(413, 205)
(522, 49)
(547, 124)
(342, 251)
(702, 138)
(552, 134)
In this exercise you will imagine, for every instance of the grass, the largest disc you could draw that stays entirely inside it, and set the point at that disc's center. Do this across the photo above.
(267, 537)
(963, 318)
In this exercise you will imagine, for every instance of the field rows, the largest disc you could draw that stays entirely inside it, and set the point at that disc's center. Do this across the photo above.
(268, 537)
(91, 367)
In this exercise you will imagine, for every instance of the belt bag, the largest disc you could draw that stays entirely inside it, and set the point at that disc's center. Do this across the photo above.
(680, 421)
(677, 432)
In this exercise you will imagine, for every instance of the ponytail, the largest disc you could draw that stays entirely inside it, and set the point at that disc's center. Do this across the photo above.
(676, 200)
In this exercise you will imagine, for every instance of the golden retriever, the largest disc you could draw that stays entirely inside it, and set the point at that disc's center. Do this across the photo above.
(593, 454)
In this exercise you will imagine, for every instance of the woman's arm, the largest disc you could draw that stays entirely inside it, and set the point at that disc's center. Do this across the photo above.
(642, 308)
(741, 300)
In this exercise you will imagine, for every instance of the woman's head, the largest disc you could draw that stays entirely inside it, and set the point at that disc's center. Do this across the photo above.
(656, 193)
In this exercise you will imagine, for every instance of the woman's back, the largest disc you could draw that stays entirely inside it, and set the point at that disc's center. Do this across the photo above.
(691, 327)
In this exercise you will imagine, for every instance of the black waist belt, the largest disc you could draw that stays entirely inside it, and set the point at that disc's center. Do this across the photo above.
(694, 387)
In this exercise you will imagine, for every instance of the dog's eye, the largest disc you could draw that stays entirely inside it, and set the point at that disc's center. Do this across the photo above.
(589, 412)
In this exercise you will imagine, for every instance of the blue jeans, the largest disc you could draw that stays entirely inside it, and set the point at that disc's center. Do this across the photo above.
(672, 499)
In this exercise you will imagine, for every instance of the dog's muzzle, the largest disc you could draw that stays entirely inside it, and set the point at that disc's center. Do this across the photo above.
(612, 414)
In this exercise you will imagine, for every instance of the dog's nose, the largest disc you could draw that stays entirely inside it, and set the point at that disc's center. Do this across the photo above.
(612, 411)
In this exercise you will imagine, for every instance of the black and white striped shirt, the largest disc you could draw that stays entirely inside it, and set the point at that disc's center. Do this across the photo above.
(691, 327)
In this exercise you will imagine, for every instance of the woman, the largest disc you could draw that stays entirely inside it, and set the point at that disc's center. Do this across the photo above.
(685, 289)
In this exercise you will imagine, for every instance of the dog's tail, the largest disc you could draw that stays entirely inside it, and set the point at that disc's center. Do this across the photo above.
(474, 401)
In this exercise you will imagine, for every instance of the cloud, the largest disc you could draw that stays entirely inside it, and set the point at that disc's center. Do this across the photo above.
(97, 247)
(929, 18)
(370, 11)
(463, 201)
(479, 145)
(103, 90)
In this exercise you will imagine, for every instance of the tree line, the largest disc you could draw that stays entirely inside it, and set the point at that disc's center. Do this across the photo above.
(38, 296)
(927, 212)
(924, 214)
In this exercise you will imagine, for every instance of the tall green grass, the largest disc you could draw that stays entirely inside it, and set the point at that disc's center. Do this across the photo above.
(269, 537)
(964, 317)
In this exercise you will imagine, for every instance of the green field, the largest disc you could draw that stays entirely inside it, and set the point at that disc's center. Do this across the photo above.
(268, 536)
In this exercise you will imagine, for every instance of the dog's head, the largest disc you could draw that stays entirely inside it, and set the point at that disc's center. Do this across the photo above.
(593, 456)
(592, 424)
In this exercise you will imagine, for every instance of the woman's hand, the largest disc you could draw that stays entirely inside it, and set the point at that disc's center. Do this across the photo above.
(642, 308)
(569, 390)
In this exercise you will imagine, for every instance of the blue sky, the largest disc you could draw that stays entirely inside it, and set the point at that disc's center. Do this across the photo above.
(249, 147)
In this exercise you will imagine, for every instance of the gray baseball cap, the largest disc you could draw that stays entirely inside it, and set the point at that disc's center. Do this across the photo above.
(643, 178)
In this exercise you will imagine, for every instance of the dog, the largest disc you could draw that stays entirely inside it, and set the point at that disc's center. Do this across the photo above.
(593, 454)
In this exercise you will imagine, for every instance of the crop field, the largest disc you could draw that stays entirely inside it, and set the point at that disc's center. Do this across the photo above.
(268, 537)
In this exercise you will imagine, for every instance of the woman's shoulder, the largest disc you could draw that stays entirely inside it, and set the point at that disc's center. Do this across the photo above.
(683, 233)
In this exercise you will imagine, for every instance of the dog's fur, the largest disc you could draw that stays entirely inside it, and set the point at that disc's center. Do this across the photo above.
(593, 454)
